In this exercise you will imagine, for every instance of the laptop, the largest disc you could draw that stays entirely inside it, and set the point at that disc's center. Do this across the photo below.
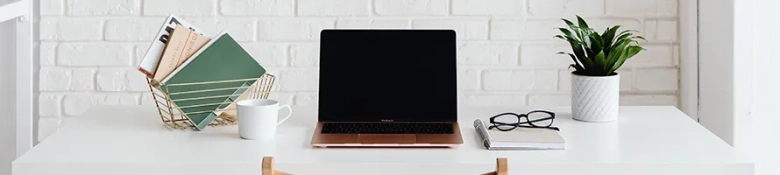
(387, 88)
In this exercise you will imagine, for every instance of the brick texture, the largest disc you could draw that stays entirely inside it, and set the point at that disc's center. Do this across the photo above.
(656, 79)
(299, 80)
(66, 79)
(94, 54)
(89, 49)
(333, 7)
(180, 7)
(468, 80)
(77, 104)
(50, 105)
(268, 54)
(142, 29)
(465, 29)
(257, 7)
(71, 29)
(411, 7)
(642, 7)
(372, 24)
(565, 7)
(120, 80)
(292, 30)
(306, 99)
(305, 54)
(492, 100)
(100, 7)
(487, 7)
(487, 54)
(240, 29)
(52, 7)
(48, 54)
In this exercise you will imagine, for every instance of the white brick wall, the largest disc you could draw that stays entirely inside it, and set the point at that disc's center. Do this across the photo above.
(506, 52)
(98, 7)
(257, 7)
(411, 7)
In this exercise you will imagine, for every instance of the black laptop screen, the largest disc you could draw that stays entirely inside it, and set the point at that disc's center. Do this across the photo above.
(398, 75)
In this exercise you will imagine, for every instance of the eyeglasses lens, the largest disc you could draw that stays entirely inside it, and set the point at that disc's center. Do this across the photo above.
(506, 122)
(540, 118)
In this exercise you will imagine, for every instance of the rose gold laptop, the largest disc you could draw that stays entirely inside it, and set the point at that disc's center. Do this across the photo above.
(387, 88)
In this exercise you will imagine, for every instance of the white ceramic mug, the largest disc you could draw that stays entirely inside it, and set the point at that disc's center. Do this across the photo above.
(258, 118)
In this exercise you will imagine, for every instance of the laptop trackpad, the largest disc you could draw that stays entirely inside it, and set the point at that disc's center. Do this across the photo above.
(387, 138)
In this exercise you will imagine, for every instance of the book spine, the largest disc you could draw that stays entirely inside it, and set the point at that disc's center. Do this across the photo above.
(150, 61)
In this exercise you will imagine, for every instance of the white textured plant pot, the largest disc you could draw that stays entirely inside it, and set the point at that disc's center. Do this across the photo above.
(595, 98)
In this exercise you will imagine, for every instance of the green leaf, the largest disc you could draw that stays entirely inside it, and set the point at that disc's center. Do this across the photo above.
(631, 51)
(621, 43)
(582, 31)
(596, 42)
(582, 22)
(561, 37)
(569, 39)
(588, 44)
(590, 53)
(569, 23)
(573, 27)
(614, 57)
(600, 61)
(623, 37)
(577, 66)
(580, 53)
(609, 34)
(609, 38)
(599, 53)
(569, 36)
(638, 37)
(628, 31)
(566, 32)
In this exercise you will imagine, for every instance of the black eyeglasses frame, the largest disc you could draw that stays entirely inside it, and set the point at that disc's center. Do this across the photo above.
(528, 123)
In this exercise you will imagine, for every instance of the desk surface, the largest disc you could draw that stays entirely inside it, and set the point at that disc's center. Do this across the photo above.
(133, 138)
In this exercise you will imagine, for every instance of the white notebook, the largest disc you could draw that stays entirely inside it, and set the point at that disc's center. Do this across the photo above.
(519, 138)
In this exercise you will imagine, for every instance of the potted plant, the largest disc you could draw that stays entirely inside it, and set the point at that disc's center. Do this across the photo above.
(595, 82)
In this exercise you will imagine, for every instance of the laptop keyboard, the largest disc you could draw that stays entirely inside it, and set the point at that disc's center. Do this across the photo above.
(387, 128)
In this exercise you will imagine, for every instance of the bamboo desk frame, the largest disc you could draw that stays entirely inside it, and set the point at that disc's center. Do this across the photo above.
(501, 167)
(268, 167)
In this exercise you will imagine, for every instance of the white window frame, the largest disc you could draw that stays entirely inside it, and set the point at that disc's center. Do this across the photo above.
(726, 70)
(23, 11)
(689, 57)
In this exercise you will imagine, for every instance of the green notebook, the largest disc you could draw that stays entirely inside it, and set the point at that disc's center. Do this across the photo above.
(219, 60)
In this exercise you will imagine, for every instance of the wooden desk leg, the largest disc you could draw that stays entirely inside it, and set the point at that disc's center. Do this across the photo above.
(501, 167)
(268, 167)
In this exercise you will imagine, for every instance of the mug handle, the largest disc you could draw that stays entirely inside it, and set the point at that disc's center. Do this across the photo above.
(288, 114)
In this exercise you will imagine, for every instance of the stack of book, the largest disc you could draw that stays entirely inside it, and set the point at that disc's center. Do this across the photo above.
(200, 74)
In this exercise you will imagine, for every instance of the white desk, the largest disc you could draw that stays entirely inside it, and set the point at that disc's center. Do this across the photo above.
(132, 141)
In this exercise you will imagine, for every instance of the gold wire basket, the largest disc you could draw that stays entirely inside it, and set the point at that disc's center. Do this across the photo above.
(174, 116)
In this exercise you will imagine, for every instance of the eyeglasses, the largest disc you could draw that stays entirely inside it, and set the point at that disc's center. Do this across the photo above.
(534, 119)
